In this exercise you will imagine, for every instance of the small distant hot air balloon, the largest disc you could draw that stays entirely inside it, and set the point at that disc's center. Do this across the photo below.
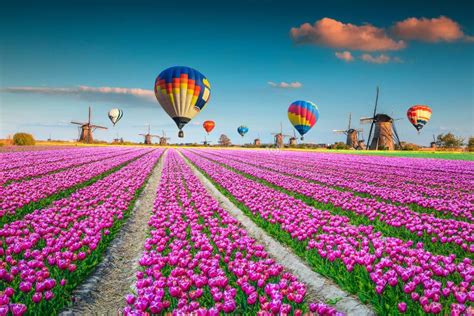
(208, 126)
(419, 115)
(182, 92)
(115, 115)
(303, 115)
(242, 130)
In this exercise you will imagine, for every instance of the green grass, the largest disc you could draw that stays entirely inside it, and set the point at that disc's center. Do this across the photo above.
(469, 156)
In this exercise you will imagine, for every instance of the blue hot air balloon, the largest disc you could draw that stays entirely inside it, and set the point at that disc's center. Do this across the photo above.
(242, 130)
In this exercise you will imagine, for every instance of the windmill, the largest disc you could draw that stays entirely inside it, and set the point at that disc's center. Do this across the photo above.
(385, 133)
(279, 137)
(434, 143)
(206, 142)
(148, 136)
(164, 139)
(353, 135)
(87, 129)
(293, 139)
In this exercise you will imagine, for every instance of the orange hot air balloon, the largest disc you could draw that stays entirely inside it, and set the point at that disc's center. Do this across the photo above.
(208, 126)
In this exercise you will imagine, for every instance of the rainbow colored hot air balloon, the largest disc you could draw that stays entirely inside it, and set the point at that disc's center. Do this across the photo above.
(303, 115)
(242, 130)
(115, 115)
(208, 126)
(182, 92)
(419, 115)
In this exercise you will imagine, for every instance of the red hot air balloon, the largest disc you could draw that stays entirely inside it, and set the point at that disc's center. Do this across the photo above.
(208, 126)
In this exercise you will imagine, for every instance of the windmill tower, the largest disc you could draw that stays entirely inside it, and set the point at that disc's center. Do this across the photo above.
(206, 142)
(293, 139)
(383, 125)
(164, 139)
(279, 137)
(352, 134)
(87, 129)
(148, 136)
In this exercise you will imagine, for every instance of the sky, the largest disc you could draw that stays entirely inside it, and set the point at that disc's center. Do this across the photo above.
(58, 58)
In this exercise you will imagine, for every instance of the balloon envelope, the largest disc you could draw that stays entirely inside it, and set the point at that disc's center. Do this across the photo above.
(303, 115)
(242, 130)
(419, 115)
(182, 92)
(115, 115)
(208, 126)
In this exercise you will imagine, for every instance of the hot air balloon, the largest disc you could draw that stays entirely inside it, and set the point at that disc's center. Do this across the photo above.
(115, 115)
(182, 92)
(303, 115)
(419, 115)
(208, 126)
(242, 130)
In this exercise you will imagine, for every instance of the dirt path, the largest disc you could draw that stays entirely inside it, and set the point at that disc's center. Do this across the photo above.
(103, 293)
(318, 286)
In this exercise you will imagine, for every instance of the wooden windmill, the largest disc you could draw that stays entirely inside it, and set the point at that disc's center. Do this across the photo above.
(206, 142)
(279, 137)
(383, 125)
(148, 136)
(353, 139)
(256, 142)
(293, 139)
(87, 129)
(164, 139)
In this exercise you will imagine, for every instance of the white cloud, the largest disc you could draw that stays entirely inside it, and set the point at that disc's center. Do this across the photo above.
(286, 85)
(346, 56)
(113, 94)
(381, 59)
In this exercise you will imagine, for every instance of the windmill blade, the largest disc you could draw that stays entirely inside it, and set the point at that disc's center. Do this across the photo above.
(396, 134)
(350, 118)
(78, 123)
(142, 134)
(366, 120)
(376, 102)
(339, 131)
(155, 135)
(98, 126)
(370, 133)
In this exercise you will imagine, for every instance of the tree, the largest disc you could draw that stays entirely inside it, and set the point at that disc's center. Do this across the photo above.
(470, 144)
(23, 139)
(224, 140)
(449, 140)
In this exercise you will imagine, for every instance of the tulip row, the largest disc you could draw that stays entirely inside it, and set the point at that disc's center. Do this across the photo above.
(199, 259)
(20, 194)
(384, 271)
(441, 199)
(36, 169)
(442, 236)
(18, 159)
(44, 256)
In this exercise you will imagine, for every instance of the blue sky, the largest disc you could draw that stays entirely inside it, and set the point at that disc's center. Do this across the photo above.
(240, 46)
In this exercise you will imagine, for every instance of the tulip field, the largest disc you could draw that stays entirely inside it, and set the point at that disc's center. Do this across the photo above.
(395, 233)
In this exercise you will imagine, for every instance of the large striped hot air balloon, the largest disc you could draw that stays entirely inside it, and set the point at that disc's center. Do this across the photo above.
(208, 126)
(242, 130)
(115, 115)
(419, 115)
(182, 92)
(303, 115)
